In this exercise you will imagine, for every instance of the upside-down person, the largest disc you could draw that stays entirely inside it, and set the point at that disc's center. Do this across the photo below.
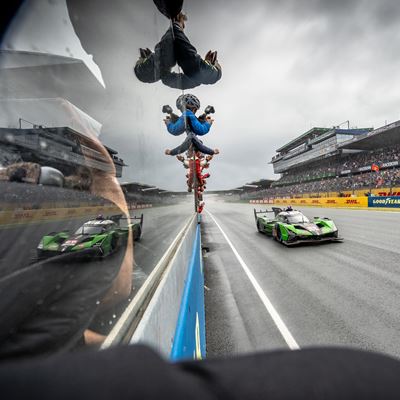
(204, 160)
(175, 48)
(189, 104)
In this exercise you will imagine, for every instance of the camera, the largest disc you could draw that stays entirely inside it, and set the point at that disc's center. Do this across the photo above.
(167, 109)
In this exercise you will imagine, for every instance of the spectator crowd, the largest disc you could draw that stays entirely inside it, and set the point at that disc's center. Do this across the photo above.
(338, 175)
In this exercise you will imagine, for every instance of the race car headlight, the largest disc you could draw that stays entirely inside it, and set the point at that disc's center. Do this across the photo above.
(40, 245)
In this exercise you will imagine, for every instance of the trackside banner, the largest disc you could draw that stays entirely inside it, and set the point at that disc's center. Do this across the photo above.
(345, 202)
(56, 214)
(386, 202)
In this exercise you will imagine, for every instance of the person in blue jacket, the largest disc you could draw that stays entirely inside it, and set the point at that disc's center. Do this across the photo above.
(188, 104)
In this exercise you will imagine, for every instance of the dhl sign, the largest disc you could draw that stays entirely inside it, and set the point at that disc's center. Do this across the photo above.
(345, 202)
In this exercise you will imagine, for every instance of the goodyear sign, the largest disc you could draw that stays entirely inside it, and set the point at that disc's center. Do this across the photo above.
(386, 202)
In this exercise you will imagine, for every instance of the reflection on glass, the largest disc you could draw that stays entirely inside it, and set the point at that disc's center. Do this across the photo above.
(68, 228)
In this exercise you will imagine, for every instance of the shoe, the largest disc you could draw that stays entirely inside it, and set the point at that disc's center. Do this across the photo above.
(145, 53)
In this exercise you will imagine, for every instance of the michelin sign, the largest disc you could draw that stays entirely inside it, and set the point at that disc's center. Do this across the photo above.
(386, 202)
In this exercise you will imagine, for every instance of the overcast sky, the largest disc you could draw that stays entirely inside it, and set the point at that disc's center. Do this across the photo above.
(288, 65)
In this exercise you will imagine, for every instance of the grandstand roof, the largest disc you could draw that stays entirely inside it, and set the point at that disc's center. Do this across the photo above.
(313, 132)
(381, 137)
(255, 185)
(46, 112)
(37, 75)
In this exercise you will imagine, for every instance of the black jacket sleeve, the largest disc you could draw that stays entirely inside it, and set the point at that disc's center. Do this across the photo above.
(136, 372)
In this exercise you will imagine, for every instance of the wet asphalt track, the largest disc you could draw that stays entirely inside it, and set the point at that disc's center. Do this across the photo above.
(160, 227)
(345, 294)
(22, 282)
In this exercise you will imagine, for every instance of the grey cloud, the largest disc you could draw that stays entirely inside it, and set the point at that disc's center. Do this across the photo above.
(287, 65)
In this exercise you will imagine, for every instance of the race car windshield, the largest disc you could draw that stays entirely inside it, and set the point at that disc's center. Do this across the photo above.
(295, 219)
(90, 230)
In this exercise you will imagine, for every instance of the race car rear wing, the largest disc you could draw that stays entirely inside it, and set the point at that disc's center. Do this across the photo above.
(266, 211)
(276, 210)
(120, 217)
(138, 218)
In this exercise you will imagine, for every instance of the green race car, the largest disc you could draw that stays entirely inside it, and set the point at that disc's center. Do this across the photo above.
(95, 238)
(293, 227)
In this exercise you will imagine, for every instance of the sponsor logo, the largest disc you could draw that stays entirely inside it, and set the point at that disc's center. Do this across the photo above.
(331, 201)
(303, 202)
(23, 215)
(391, 202)
(352, 201)
(315, 202)
(390, 164)
(49, 213)
(388, 194)
(70, 242)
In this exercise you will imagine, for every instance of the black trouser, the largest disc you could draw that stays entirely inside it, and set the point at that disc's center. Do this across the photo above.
(191, 139)
(175, 47)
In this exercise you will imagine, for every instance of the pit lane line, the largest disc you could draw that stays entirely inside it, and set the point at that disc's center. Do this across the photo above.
(283, 329)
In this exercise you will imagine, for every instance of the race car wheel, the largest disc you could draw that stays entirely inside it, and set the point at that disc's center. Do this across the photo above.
(278, 235)
(137, 235)
(114, 243)
(259, 228)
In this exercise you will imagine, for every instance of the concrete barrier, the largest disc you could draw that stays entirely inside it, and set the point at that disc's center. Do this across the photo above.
(168, 311)
(190, 337)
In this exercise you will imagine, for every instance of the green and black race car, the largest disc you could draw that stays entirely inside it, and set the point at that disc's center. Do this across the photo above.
(293, 227)
(95, 238)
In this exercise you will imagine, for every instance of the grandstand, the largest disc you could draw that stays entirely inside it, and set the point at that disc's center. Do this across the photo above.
(337, 162)
(137, 193)
(60, 147)
(46, 107)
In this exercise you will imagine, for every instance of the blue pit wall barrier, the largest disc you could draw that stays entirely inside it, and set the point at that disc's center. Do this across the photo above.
(190, 336)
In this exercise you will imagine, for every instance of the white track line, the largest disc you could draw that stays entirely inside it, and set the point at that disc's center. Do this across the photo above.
(283, 329)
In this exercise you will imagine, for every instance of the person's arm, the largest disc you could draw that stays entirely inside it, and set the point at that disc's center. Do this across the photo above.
(176, 128)
(199, 128)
